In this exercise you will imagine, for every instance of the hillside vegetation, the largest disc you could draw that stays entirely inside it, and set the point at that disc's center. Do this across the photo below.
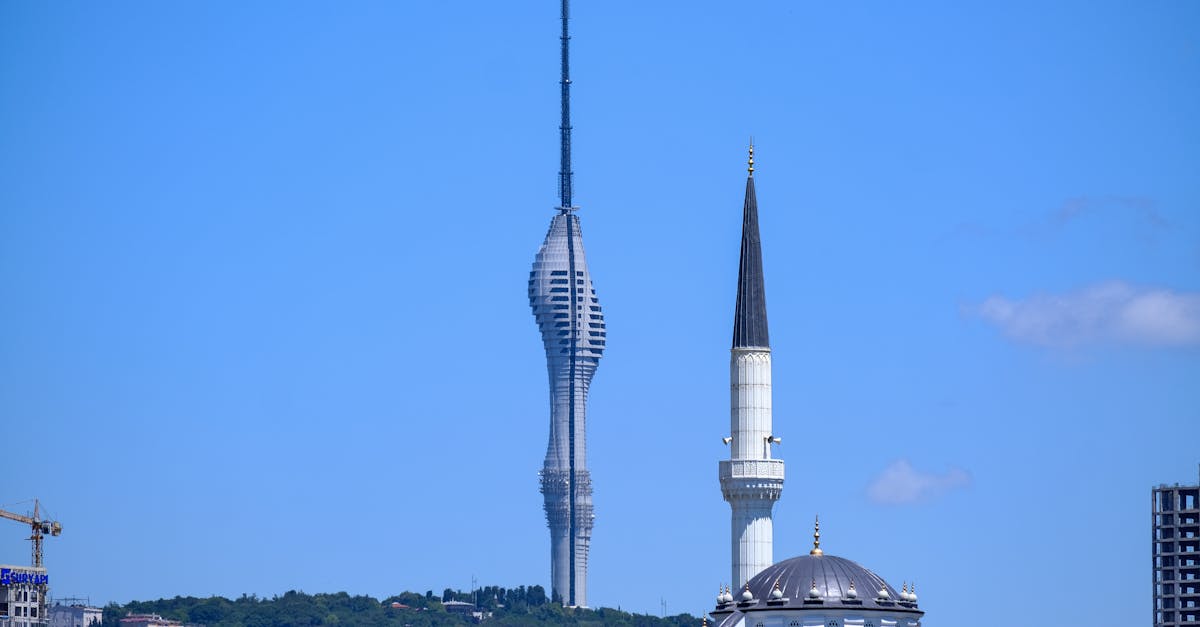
(524, 606)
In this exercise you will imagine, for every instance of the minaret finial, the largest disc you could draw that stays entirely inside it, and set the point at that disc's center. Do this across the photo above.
(816, 550)
(750, 168)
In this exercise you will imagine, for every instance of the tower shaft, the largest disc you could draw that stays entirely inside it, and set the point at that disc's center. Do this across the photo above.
(573, 335)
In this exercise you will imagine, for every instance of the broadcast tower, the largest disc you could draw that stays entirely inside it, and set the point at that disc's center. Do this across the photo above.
(572, 325)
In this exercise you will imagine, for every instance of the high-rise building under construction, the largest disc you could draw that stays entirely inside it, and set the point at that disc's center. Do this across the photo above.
(1175, 529)
(572, 325)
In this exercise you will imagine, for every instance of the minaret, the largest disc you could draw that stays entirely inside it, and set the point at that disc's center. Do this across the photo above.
(568, 314)
(750, 480)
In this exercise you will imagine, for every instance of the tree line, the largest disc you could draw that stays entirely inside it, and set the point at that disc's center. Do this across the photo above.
(526, 606)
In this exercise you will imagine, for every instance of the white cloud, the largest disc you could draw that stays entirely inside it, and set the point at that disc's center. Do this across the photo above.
(901, 484)
(1107, 313)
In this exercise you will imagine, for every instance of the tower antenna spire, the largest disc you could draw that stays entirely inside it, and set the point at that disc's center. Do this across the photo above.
(565, 176)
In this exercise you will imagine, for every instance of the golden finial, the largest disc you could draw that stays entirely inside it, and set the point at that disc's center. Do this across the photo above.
(816, 550)
(751, 168)
(704, 622)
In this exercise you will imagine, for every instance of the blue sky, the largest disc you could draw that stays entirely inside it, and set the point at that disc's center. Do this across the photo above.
(264, 267)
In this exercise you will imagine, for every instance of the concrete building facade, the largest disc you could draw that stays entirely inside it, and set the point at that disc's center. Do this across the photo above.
(22, 596)
(76, 616)
(1175, 554)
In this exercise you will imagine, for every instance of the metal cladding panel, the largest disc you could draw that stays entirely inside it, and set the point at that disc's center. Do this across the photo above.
(750, 317)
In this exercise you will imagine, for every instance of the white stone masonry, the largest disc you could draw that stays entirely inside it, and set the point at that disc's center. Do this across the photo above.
(750, 481)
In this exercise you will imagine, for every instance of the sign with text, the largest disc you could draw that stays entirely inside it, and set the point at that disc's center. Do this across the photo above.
(17, 576)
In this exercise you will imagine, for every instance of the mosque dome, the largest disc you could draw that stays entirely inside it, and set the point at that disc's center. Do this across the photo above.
(831, 576)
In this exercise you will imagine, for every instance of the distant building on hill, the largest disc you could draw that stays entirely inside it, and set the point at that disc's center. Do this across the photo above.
(75, 616)
(466, 610)
(148, 620)
(458, 607)
(1175, 550)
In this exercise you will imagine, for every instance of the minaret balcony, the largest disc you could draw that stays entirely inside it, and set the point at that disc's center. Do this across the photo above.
(752, 469)
(751, 479)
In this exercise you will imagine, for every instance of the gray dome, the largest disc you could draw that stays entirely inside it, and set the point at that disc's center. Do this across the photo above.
(833, 576)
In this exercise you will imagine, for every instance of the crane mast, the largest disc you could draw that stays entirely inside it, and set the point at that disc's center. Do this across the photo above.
(39, 527)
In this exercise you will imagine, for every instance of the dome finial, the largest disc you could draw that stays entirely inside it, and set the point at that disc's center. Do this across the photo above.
(750, 169)
(816, 550)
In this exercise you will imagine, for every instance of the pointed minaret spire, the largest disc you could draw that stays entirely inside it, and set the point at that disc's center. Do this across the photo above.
(750, 317)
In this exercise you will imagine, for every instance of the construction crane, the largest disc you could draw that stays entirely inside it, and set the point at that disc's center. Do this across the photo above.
(40, 528)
